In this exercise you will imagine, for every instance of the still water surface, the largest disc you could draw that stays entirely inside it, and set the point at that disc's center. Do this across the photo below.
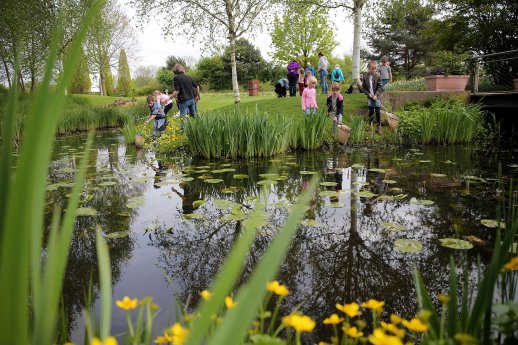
(161, 246)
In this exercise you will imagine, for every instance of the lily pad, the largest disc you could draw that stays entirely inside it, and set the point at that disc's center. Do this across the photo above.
(54, 186)
(202, 171)
(230, 190)
(455, 243)
(268, 176)
(328, 184)
(492, 223)
(198, 203)
(186, 179)
(357, 166)
(226, 165)
(389, 181)
(280, 178)
(423, 202)
(393, 226)
(366, 194)
(329, 193)
(360, 183)
(408, 246)
(86, 212)
(225, 204)
(309, 222)
(306, 172)
(252, 198)
(202, 167)
(267, 182)
(425, 161)
(234, 217)
(213, 180)
(107, 183)
(292, 163)
(190, 216)
(335, 204)
(117, 234)
(438, 175)
(241, 176)
(204, 177)
(275, 160)
(381, 171)
(135, 202)
(123, 214)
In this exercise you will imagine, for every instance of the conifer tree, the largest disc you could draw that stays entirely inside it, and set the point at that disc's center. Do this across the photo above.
(124, 77)
(81, 82)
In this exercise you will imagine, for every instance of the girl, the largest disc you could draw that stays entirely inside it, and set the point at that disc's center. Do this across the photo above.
(163, 100)
(309, 97)
(301, 80)
(335, 104)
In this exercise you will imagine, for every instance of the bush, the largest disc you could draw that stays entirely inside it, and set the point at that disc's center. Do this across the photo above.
(418, 84)
(148, 89)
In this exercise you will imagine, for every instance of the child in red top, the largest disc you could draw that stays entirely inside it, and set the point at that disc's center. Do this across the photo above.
(309, 97)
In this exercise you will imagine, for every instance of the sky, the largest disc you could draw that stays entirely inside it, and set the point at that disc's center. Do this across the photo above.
(155, 48)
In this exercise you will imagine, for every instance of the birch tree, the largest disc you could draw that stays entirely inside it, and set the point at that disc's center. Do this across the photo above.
(229, 19)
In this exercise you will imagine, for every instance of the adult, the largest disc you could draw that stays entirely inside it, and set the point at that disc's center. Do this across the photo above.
(336, 75)
(310, 68)
(293, 77)
(281, 87)
(323, 65)
(184, 91)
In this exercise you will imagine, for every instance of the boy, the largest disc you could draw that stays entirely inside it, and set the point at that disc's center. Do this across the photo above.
(335, 104)
(385, 72)
(372, 87)
(156, 113)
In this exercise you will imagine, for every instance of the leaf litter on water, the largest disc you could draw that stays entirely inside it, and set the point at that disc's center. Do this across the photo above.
(408, 245)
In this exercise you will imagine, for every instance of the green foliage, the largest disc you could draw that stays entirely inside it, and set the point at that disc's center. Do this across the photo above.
(165, 76)
(418, 84)
(211, 71)
(444, 122)
(173, 60)
(124, 77)
(301, 33)
(109, 82)
(310, 130)
(358, 126)
(448, 62)
(81, 82)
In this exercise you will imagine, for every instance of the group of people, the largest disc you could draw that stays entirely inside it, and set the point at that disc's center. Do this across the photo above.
(372, 85)
(187, 94)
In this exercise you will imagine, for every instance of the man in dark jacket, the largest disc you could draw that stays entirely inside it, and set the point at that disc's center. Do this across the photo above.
(372, 87)
(185, 90)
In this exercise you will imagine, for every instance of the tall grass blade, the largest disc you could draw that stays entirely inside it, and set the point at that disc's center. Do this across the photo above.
(425, 302)
(453, 308)
(105, 280)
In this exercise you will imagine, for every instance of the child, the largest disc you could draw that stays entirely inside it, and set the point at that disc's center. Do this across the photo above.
(335, 104)
(164, 101)
(372, 87)
(281, 87)
(309, 97)
(337, 75)
(301, 80)
(385, 72)
(306, 77)
(156, 113)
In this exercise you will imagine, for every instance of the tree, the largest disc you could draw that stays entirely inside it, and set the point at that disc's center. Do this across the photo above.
(165, 77)
(173, 60)
(302, 37)
(110, 33)
(212, 71)
(220, 18)
(81, 82)
(107, 83)
(249, 62)
(396, 29)
(124, 77)
(144, 75)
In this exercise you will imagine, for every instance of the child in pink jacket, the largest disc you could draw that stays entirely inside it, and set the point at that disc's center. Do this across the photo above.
(309, 97)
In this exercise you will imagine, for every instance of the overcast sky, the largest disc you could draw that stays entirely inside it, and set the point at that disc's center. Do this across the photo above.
(154, 48)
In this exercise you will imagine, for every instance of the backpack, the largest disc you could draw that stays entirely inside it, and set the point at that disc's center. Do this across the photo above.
(336, 75)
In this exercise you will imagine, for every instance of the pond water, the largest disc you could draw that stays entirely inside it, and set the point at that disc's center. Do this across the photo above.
(162, 246)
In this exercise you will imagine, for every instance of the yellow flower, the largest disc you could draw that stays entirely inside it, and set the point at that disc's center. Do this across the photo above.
(333, 320)
(465, 339)
(229, 302)
(351, 309)
(511, 265)
(300, 323)
(352, 332)
(277, 288)
(380, 338)
(206, 295)
(375, 305)
(398, 332)
(395, 319)
(444, 299)
(127, 303)
(415, 325)
(177, 334)
(163, 339)
(107, 341)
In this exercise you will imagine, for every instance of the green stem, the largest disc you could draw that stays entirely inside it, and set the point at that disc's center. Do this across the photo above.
(336, 334)
(274, 316)
(262, 311)
(130, 324)
(443, 321)
(278, 330)
(297, 337)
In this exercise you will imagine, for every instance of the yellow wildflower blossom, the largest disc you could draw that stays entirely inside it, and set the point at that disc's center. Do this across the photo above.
(352, 332)
(351, 309)
(398, 332)
(444, 299)
(511, 265)
(465, 339)
(177, 334)
(380, 338)
(277, 288)
(127, 303)
(375, 305)
(395, 319)
(163, 339)
(107, 341)
(300, 323)
(333, 320)
(229, 302)
(415, 325)
(206, 295)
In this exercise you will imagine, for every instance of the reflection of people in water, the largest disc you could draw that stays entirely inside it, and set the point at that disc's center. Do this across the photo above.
(158, 174)
(188, 197)
(310, 212)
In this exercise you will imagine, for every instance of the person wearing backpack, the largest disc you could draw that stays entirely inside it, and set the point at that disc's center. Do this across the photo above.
(336, 75)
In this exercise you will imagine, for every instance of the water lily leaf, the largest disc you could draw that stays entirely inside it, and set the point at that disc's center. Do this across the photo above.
(475, 240)
(400, 196)
(408, 246)
(425, 161)
(512, 165)
(135, 202)
(230, 190)
(414, 150)
(329, 193)
(335, 205)
(346, 190)
(107, 183)
(226, 165)
(492, 223)
(418, 153)
(213, 180)
(292, 163)
(422, 202)
(268, 176)
(275, 160)
(86, 212)
(204, 177)
(365, 194)
(393, 226)
(360, 183)
(449, 162)
(280, 178)
(194, 216)
(309, 222)
(252, 198)
(306, 172)
(225, 204)
(123, 214)
(455, 243)
(357, 166)
(67, 170)
(186, 179)
(381, 171)
(201, 167)
(395, 190)
(438, 175)
(234, 217)
(397, 159)
(117, 234)
(267, 182)
(240, 176)
(389, 181)
(198, 203)
(328, 184)
(54, 186)
(203, 171)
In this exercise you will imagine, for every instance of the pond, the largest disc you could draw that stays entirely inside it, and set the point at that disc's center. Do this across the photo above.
(345, 250)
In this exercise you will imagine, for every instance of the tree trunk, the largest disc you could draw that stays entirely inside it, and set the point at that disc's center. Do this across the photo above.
(358, 5)
(235, 85)
(7, 72)
(22, 84)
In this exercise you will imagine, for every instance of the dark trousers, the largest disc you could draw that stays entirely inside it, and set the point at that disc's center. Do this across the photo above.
(280, 90)
(168, 107)
(294, 80)
(371, 115)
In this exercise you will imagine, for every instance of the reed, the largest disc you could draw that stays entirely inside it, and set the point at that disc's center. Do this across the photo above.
(310, 131)
(358, 126)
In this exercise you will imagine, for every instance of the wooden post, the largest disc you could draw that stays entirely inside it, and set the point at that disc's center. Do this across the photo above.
(477, 77)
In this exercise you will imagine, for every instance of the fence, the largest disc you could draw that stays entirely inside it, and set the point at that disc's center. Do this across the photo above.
(495, 72)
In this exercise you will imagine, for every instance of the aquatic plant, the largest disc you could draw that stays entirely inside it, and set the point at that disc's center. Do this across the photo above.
(358, 126)
(418, 84)
(310, 131)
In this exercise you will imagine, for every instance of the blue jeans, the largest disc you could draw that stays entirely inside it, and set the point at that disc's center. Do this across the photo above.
(188, 106)
(310, 111)
(384, 82)
(293, 80)
(374, 104)
(323, 80)
(159, 123)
